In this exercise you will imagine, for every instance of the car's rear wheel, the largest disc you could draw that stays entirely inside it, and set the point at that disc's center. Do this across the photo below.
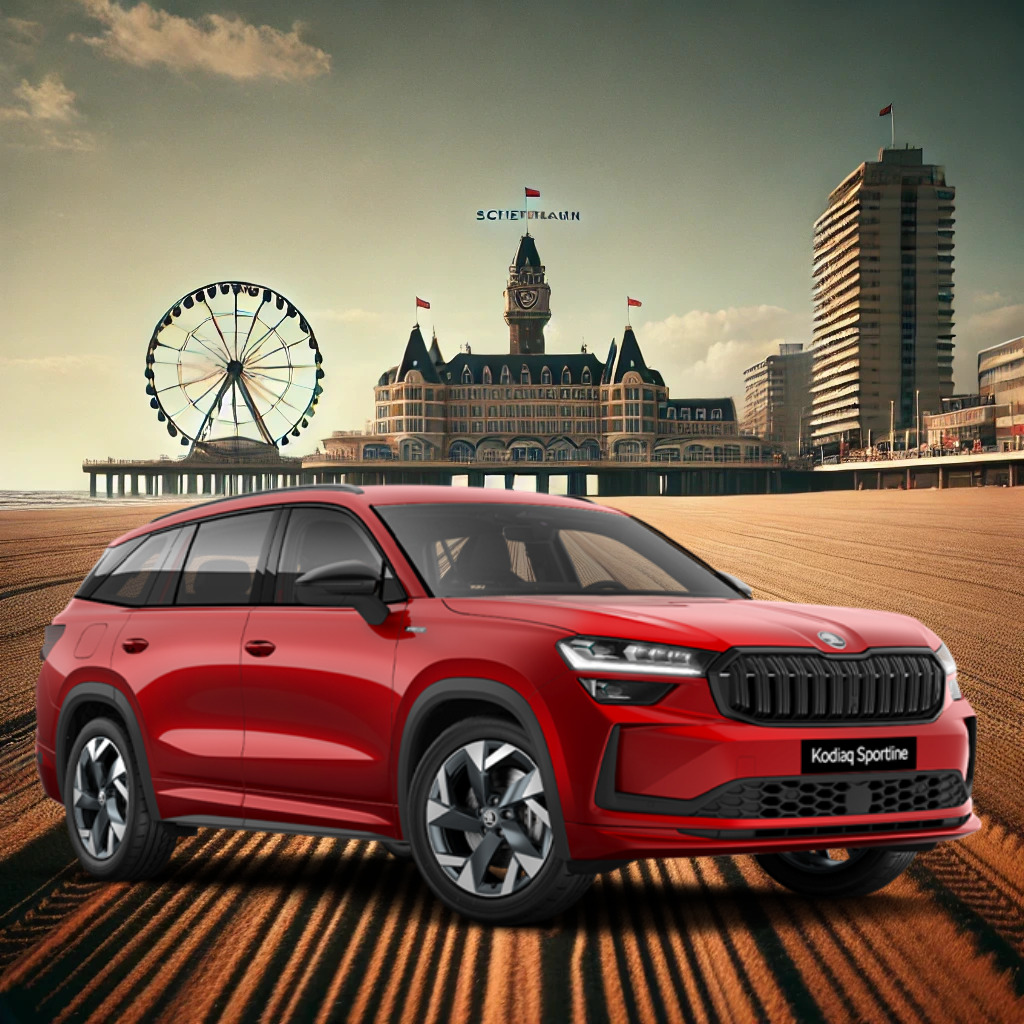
(113, 831)
(479, 821)
(854, 872)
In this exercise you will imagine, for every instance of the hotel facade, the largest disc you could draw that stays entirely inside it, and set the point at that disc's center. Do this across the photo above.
(530, 405)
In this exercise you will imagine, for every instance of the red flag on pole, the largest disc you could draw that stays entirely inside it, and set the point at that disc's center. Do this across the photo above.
(633, 302)
(532, 193)
(885, 110)
(422, 303)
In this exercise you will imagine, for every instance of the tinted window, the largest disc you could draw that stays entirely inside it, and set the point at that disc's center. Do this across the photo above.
(222, 562)
(484, 549)
(148, 570)
(109, 560)
(317, 537)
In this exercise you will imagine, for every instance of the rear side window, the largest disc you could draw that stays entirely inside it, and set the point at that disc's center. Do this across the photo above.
(223, 560)
(132, 579)
(109, 560)
(318, 537)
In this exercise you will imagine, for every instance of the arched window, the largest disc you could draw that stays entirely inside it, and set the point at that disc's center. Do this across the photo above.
(700, 414)
(524, 375)
(487, 375)
(506, 376)
(716, 414)
(545, 376)
(467, 375)
(684, 414)
(566, 375)
(585, 378)
(671, 414)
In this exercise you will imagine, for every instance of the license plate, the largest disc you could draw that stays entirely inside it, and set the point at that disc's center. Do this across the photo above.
(875, 755)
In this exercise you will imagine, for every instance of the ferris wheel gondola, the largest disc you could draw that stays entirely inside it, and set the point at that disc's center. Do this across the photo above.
(233, 359)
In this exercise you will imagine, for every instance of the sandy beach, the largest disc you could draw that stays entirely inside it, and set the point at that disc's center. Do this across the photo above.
(246, 926)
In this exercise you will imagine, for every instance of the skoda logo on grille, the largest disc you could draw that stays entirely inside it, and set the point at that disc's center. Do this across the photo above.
(832, 640)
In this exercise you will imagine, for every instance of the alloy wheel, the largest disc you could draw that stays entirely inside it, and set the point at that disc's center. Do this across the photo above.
(100, 797)
(487, 818)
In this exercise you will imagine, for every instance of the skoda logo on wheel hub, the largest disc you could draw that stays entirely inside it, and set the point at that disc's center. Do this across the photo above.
(490, 817)
(832, 639)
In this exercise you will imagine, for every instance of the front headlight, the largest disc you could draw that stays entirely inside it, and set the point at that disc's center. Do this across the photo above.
(950, 666)
(601, 654)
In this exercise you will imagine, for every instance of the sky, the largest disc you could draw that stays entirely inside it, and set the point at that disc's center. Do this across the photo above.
(338, 153)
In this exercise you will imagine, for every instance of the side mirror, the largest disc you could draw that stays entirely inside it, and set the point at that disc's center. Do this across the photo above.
(734, 581)
(345, 585)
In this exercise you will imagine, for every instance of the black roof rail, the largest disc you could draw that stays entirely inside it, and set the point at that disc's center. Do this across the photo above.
(349, 488)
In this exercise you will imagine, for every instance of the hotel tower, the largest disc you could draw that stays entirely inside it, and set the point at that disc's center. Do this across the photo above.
(883, 294)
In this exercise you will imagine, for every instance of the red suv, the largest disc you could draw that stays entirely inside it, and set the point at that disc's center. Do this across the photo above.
(519, 690)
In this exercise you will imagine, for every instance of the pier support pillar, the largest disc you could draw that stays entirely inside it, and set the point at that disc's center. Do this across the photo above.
(942, 473)
(110, 485)
(135, 485)
(92, 485)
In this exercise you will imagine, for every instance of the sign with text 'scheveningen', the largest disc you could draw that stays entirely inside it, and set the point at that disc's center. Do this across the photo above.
(527, 213)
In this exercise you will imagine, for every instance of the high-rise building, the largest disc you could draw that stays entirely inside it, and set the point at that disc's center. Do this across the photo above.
(777, 396)
(883, 294)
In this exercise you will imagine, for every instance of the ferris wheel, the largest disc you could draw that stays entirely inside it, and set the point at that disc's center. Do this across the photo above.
(233, 360)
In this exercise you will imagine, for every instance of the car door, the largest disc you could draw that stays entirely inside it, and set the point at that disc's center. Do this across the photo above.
(317, 688)
(180, 654)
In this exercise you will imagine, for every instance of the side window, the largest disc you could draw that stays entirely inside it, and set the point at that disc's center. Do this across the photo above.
(320, 536)
(147, 570)
(222, 563)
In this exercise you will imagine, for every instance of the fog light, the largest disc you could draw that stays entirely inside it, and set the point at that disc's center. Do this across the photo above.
(625, 691)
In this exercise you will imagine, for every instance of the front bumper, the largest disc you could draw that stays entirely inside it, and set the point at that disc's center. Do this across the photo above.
(682, 781)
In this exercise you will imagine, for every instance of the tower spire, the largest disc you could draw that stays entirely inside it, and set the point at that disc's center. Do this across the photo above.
(527, 300)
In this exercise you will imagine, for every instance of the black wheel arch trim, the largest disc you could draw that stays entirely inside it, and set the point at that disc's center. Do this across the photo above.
(104, 693)
(509, 700)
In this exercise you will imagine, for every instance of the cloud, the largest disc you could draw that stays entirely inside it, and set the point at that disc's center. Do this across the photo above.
(705, 352)
(219, 44)
(65, 364)
(44, 117)
(343, 316)
(993, 326)
(50, 100)
(989, 298)
(20, 34)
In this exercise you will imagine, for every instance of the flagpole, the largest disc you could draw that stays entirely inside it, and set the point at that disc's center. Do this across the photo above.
(526, 209)
(892, 121)
(628, 321)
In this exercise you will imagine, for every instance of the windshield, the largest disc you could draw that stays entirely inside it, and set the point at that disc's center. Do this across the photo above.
(487, 550)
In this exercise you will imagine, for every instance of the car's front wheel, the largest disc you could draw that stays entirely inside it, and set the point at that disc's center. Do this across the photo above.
(479, 821)
(115, 834)
(854, 872)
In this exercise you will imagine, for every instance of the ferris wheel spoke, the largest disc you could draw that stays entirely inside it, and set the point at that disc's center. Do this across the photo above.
(220, 333)
(189, 383)
(248, 353)
(284, 348)
(283, 366)
(252, 324)
(208, 417)
(251, 406)
(281, 380)
(279, 400)
(204, 344)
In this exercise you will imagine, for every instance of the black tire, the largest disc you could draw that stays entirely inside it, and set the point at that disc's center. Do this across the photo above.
(814, 873)
(146, 843)
(536, 897)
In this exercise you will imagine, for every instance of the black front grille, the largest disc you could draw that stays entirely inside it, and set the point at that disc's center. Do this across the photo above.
(834, 796)
(780, 687)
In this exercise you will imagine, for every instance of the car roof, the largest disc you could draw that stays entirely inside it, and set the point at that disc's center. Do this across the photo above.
(349, 496)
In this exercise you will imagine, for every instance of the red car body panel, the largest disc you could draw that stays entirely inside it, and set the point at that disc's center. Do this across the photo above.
(310, 735)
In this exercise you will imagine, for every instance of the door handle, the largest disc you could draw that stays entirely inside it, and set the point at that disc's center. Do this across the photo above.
(259, 648)
(136, 645)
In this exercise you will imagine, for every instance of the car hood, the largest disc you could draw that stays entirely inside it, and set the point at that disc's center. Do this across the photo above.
(710, 623)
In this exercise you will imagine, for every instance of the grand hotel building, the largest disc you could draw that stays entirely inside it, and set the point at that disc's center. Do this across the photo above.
(535, 406)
